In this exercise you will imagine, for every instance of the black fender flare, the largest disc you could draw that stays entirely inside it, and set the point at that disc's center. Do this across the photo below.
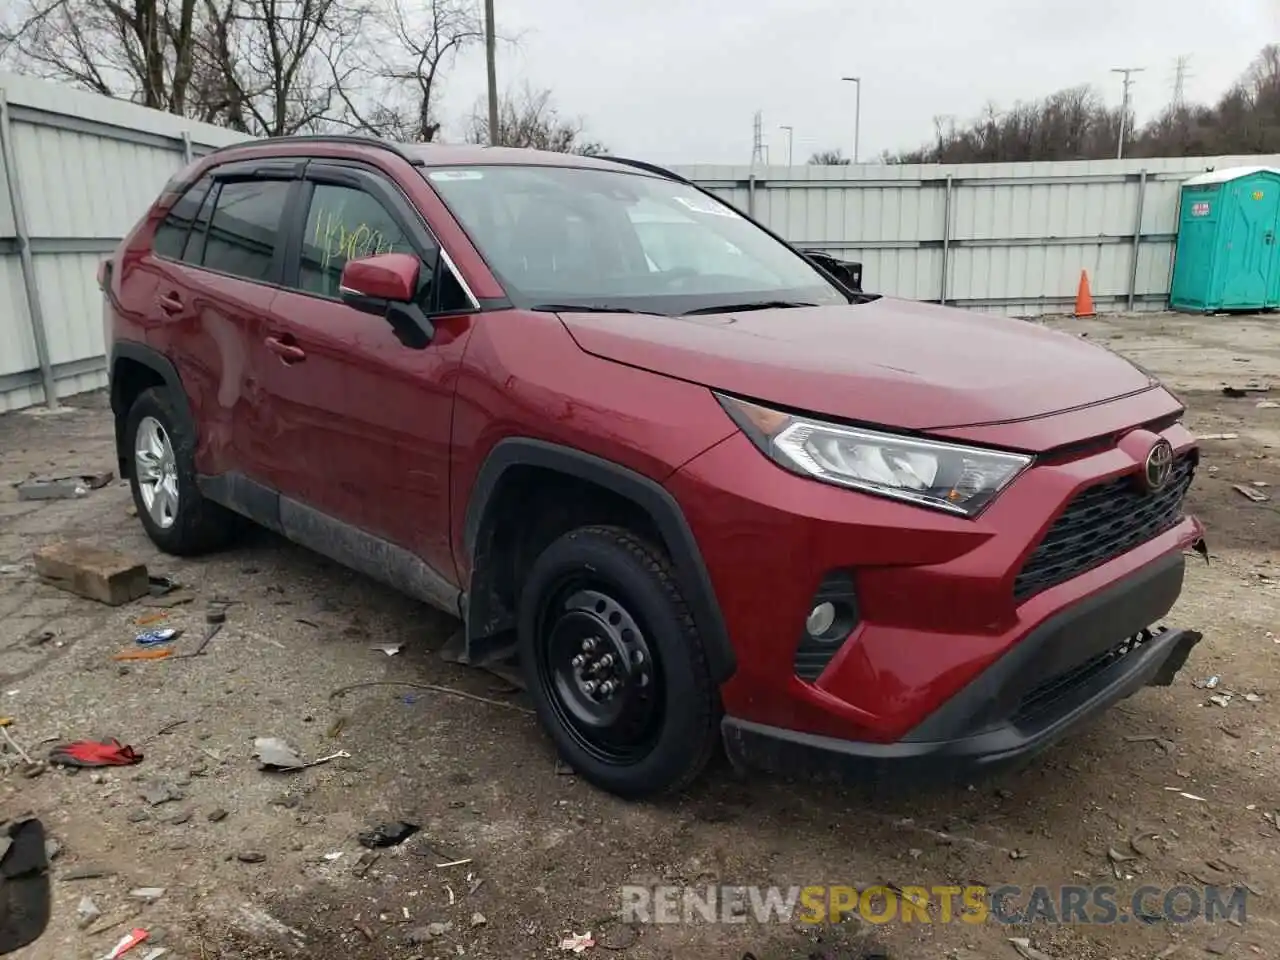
(158, 363)
(646, 494)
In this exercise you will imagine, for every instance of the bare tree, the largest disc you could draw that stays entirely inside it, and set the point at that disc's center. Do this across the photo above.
(413, 46)
(143, 50)
(530, 119)
(829, 158)
(266, 67)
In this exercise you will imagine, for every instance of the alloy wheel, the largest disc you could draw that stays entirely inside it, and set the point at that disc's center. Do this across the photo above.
(156, 468)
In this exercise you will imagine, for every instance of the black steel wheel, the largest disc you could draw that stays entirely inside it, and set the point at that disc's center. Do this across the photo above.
(615, 666)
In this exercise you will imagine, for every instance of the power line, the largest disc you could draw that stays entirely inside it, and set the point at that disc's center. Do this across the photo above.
(1124, 105)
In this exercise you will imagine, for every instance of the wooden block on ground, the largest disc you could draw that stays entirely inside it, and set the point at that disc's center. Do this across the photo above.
(94, 572)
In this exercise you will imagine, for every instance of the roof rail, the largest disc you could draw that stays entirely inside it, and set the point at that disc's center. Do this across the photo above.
(650, 167)
(322, 138)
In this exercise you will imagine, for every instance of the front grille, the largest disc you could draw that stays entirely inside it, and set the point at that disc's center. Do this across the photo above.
(1101, 523)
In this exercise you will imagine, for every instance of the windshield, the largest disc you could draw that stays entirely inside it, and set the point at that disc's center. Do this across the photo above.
(570, 236)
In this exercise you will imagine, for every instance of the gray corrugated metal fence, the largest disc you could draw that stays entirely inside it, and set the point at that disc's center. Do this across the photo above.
(77, 170)
(1008, 237)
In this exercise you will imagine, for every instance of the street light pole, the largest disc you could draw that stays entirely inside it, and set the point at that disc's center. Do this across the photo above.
(857, 114)
(791, 133)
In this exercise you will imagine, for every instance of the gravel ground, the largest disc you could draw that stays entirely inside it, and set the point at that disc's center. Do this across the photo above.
(515, 854)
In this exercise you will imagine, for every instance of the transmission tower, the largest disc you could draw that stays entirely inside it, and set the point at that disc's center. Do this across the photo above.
(1181, 74)
(757, 140)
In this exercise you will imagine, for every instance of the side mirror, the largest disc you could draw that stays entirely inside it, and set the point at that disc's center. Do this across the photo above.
(846, 272)
(386, 285)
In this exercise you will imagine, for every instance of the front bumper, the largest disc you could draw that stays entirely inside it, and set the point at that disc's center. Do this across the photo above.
(1071, 668)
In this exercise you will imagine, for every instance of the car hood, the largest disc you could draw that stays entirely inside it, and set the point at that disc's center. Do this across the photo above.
(899, 363)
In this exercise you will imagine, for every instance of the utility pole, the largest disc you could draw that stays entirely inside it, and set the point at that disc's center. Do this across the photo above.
(491, 64)
(791, 133)
(1124, 106)
(857, 114)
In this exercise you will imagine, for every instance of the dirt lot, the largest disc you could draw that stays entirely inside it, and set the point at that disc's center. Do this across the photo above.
(552, 852)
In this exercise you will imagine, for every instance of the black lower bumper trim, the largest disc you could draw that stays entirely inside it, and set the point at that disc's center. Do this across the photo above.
(789, 753)
(1073, 667)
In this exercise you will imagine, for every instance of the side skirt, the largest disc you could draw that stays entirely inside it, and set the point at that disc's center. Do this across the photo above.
(377, 558)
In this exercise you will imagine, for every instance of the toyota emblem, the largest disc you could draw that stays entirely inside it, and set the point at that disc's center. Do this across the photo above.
(1159, 466)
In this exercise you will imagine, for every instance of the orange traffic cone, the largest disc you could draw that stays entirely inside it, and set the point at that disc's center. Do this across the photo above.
(1084, 299)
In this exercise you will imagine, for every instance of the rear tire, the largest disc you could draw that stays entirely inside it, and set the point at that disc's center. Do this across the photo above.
(614, 664)
(161, 446)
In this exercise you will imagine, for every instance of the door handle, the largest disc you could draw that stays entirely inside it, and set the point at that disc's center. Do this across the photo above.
(171, 303)
(287, 352)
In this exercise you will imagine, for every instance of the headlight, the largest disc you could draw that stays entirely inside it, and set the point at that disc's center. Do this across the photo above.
(945, 476)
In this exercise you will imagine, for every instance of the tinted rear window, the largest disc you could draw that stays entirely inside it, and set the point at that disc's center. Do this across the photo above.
(171, 235)
(245, 228)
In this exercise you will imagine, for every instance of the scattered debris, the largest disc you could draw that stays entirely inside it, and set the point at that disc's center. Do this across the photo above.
(153, 638)
(1238, 392)
(127, 943)
(64, 487)
(432, 931)
(453, 863)
(388, 834)
(1220, 699)
(390, 649)
(87, 873)
(92, 572)
(86, 912)
(478, 919)
(215, 626)
(94, 753)
(152, 654)
(1219, 436)
(1208, 683)
(1267, 404)
(251, 856)
(1249, 493)
(158, 585)
(435, 687)
(364, 862)
(273, 753)
(579, 942)
(217, 816)
(147, 894)
(1189, 796)
(167, 601)
(1168, 746)
(1026, 950)
(156, 792)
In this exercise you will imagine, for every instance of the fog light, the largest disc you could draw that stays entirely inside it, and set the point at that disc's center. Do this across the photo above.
(820, 620)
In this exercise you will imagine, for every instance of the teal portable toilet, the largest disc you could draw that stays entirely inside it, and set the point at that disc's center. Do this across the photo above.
(1227, 257)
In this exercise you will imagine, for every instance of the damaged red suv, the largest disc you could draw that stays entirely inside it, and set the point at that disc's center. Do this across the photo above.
(707, 493)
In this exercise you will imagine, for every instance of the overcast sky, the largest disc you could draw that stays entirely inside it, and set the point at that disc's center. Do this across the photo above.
(677, 81)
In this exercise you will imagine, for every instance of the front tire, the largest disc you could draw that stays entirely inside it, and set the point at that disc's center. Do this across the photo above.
(176, 516)
(615, 665)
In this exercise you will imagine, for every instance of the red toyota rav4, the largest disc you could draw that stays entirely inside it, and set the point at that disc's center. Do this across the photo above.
(704, 491)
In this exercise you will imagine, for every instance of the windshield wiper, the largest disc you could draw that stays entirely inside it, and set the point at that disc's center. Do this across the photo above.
(754, 305)
(587, 308)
